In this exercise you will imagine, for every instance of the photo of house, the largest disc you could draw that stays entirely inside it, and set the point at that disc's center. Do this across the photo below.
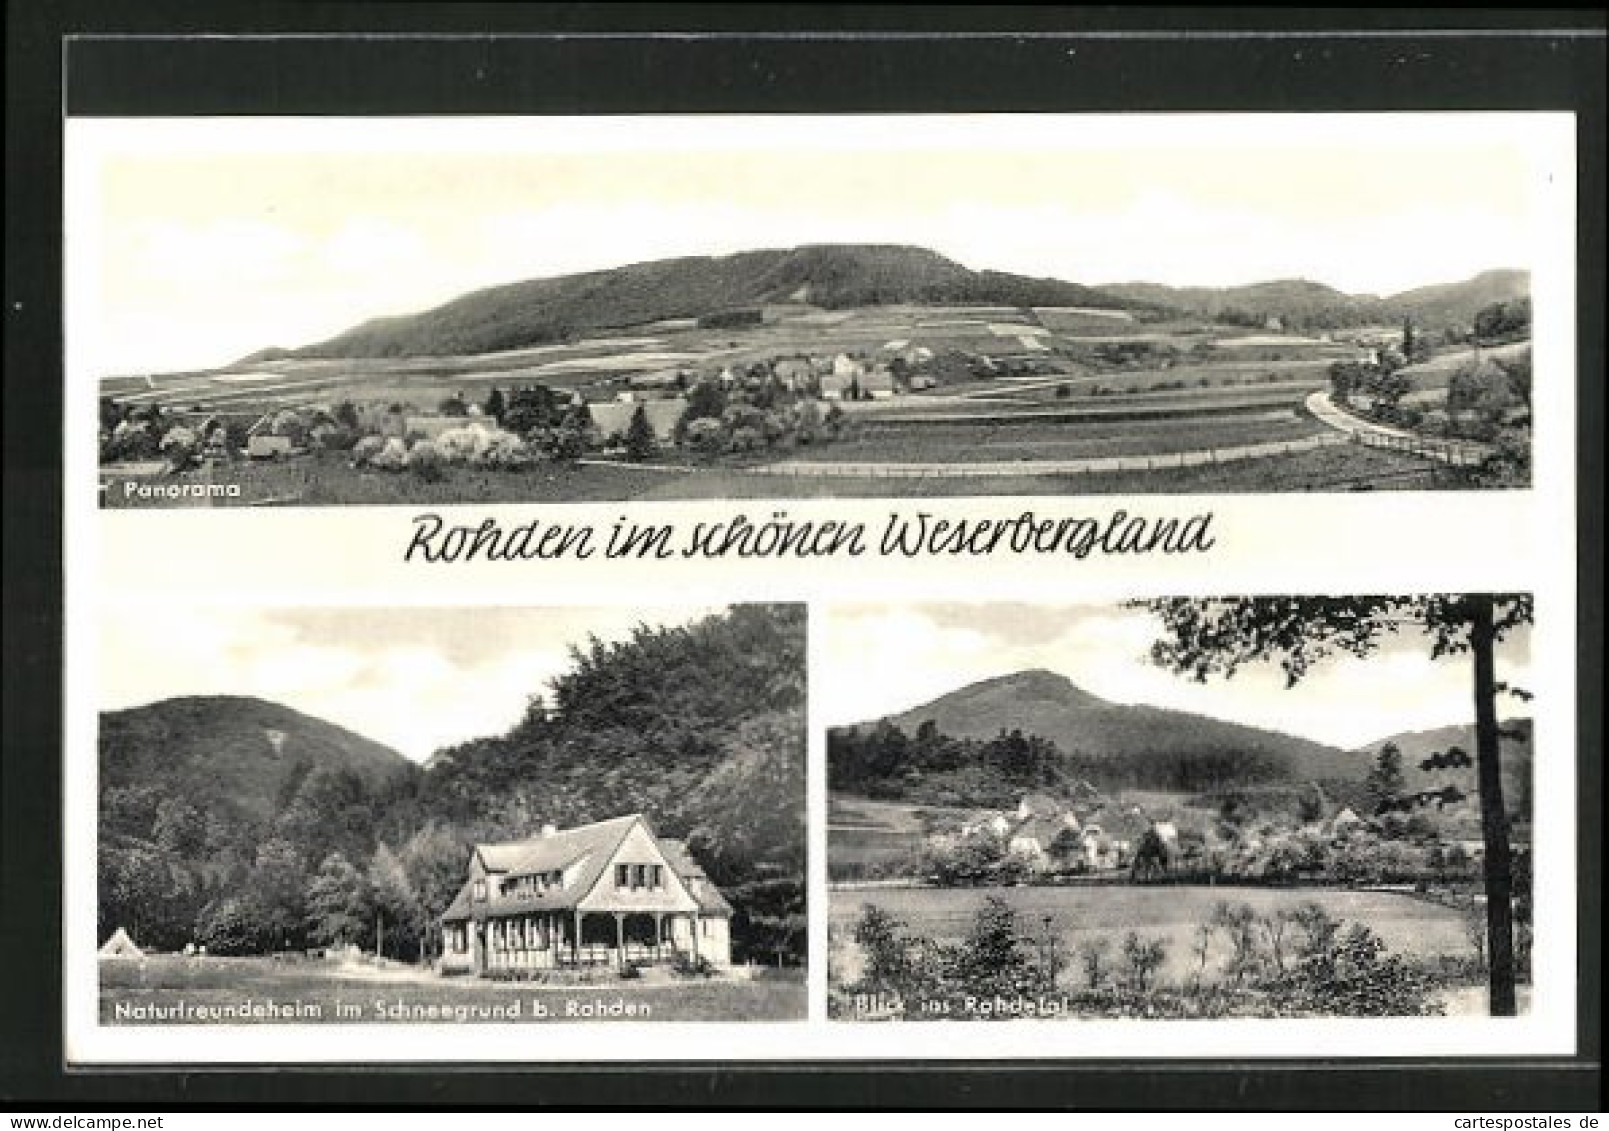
(612, 893)
(583, 797)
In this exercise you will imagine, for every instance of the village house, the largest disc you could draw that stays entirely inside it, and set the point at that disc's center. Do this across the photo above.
(612, 893)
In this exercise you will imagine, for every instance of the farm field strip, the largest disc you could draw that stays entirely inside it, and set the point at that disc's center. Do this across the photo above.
(1115, 410)
(959, 469)
(960, 444)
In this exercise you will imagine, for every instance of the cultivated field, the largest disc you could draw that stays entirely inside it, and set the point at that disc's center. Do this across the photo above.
(862, 832)
(1222, 390)
(198, 990)
(1407, 924)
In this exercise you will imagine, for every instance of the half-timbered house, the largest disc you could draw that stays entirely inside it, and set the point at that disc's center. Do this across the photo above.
(612, 893)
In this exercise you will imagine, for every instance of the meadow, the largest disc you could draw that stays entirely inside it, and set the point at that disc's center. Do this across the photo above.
(1077, 914)
(173, 989)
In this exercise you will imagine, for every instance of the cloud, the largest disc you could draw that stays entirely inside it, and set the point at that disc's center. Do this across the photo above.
(885, 659)
(414, 679)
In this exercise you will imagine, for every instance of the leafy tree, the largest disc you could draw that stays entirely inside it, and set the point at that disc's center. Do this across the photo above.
(278, 885)
(337, 902)
(533, 407)
(1217, 637)
(889, 963)
(1093, 954)
(398, 917)
(1142, 958)
(433, 858)
(992, 959)
(237, 924)
(179, 828)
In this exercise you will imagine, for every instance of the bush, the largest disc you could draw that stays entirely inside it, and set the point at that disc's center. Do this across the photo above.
(746, 440)
(425, 461)
(462, 445)
(392, 456)
(232, 926)
(706, 436)
(180, 446)
(566, 444)
(364, 451)
(506, 450)
(690, 966)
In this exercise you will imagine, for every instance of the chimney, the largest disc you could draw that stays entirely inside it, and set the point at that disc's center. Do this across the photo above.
(549, 830)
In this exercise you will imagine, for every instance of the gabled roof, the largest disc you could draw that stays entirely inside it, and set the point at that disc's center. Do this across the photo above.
(703, 891)
(557, 850)
(586, 847)
(1044, 830)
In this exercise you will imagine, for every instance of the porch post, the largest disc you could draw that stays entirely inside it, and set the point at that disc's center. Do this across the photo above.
(695, 934)
(620, 939)
(576, 952)
(659, 934)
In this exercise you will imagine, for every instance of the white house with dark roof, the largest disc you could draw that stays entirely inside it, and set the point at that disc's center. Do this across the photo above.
(607, 894)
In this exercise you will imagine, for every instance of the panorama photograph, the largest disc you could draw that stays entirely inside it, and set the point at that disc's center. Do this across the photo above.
(358, 815)
(288, 313)
(1184, 808)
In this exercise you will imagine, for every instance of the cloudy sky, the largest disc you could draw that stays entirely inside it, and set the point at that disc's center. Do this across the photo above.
(194, 242)
(883, 659)
(414, 679)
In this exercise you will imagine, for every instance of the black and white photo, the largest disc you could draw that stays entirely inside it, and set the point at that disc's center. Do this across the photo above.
(341, 312)
(1182, 809)
(475, 815)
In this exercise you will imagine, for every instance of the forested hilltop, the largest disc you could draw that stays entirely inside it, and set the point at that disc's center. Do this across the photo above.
(699, 727)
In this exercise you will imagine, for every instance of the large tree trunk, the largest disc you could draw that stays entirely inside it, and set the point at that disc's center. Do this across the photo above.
(1494, 816)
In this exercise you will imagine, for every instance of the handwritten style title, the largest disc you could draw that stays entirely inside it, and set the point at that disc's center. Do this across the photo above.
(779, 535)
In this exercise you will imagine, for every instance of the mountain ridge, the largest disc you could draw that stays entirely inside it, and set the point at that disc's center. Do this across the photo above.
(543, 310)
(224, 747)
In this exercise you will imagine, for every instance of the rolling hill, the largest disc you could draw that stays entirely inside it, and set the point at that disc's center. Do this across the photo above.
(1138, 744)
(1452, 303)
(1416, 746)
(1302, 302)
(231, 749)
(540, 311)
(1294, 300)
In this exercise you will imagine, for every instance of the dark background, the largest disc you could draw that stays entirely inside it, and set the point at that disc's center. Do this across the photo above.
(569, 59)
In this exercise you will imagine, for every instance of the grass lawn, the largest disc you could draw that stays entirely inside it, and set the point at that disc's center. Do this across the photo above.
(171, 989)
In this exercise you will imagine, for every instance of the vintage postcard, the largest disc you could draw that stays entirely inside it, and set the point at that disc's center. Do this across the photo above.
(419, 311)
(594, 589)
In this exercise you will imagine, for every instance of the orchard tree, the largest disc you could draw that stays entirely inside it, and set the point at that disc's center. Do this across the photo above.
(1202, 638)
